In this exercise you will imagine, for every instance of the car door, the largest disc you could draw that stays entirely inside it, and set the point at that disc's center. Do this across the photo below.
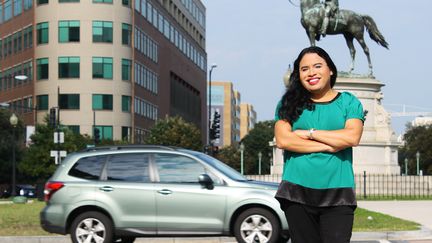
(126, 189)
(183, 205)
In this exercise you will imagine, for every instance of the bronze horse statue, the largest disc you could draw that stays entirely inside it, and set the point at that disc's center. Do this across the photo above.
(345, 22)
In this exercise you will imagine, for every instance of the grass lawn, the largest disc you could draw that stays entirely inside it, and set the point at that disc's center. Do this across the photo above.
(365, 220)
(23, 220)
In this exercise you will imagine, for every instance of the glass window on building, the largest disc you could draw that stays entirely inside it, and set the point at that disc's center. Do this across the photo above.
(28, 4)
(69, 31)
(28, 71)
(17, 7)
(7, 7)
(103, 67)
(42, 102)
(126, 2)
(42, 68)
(42, 2)
(102, 31)
(126, 132)
(102, 1)
(126, 34)
(74, 128)
(69, 101)
(68, 67)
(106, 132)
(102, 102)
(126, 103)
(126, 69)
(42, 33)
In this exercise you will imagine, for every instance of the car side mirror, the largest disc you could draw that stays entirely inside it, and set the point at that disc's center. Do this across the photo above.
(206, 181)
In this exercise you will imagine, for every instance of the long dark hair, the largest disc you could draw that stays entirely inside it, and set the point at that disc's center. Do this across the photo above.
(296, 98)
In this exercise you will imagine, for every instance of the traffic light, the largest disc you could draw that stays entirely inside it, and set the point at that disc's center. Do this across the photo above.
(216, 125)
(52, 118)
(96, 135)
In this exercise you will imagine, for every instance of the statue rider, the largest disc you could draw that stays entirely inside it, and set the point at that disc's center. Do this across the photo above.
(331, 7)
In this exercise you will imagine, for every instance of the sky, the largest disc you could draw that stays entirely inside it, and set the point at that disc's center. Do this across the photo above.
(253, 42)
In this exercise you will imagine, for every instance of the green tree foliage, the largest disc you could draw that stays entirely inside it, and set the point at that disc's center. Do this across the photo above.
(257, 140)
(6, 144)
(37, 163)
(419, 139)
(175, 131)
(230, 155)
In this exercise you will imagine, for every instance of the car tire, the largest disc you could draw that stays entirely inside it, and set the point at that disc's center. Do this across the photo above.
(257, 225)
(92, 224)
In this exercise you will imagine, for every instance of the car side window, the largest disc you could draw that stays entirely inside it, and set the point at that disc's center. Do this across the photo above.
(88, 167)
(128, 167)
(175, 168)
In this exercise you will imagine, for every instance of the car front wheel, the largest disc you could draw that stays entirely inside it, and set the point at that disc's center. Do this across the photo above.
(91, 227)
(257, 225)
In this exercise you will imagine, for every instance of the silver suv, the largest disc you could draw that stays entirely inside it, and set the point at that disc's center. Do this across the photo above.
(110, 194)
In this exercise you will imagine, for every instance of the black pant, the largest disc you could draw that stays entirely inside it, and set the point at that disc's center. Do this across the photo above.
(308, 224)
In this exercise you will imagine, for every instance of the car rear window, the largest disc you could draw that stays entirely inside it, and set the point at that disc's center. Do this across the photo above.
(88, 167)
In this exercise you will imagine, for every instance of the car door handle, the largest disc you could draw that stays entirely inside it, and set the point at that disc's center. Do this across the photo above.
(165, 192)
(106, 189)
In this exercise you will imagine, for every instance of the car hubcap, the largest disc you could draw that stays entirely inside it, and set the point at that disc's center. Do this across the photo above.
(256, 229)
(90, 231)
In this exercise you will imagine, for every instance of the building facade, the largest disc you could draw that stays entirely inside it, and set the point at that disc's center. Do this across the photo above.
(248, 119)
(118, 66)
(236, 119)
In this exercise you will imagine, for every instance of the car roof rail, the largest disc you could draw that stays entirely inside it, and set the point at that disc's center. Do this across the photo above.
(130, 146)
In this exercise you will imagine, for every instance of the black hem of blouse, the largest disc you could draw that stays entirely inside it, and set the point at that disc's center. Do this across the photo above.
(316, 197)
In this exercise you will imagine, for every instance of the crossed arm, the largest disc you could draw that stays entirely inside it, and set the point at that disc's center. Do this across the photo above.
(323, 140)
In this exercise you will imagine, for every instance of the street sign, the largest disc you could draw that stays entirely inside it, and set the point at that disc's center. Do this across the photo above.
(56, 154)
(57, 137)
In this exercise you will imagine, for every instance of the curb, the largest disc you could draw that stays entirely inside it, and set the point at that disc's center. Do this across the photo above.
(423, 234)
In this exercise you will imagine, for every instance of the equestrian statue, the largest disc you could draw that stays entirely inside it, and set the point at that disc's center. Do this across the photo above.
(320, 19)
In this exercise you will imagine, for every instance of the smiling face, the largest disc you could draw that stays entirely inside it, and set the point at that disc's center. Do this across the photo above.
(315, 74)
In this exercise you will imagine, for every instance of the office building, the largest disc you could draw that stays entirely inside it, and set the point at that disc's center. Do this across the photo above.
(248, 119)
(117, 66)
(226, 101)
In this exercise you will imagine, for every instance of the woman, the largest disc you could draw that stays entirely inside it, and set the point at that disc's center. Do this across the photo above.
(317, 127)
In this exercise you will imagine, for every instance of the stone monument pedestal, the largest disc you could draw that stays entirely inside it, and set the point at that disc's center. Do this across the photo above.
(378, 149)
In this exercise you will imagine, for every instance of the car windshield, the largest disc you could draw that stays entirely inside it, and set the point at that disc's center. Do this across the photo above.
(220, 166)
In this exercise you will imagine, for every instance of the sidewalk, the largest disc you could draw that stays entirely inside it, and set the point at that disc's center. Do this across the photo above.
(416, 211)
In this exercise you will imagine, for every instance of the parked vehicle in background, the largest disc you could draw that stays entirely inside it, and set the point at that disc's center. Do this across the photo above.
(123, 192)
(25, 190)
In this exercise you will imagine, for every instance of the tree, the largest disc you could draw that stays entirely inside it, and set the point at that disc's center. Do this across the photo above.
(175, 131)
(257, 140)
(6, 142)
(230, 155)
(37, 164)
(417, 139)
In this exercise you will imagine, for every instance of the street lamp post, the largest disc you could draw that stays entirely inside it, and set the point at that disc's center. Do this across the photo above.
(259, 162)
(418, 162)
(242, 147)
(13, 121)
(406, 166)
(209, 102)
